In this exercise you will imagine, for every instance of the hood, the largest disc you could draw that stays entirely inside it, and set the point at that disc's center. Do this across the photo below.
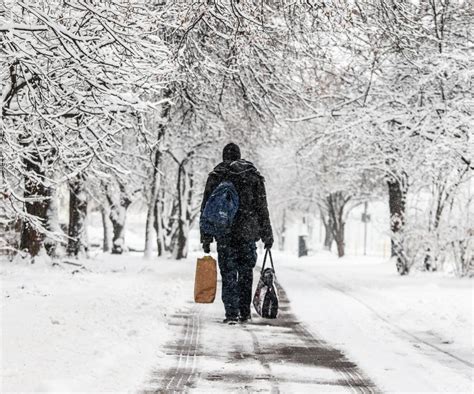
(236, 167)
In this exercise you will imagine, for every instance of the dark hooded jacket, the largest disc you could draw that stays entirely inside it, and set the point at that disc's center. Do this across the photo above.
(252, 221)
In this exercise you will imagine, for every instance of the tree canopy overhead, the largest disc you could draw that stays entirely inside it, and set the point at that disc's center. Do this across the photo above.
(136, 97)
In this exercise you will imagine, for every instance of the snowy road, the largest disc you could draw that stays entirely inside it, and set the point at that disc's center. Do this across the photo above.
(268, 356)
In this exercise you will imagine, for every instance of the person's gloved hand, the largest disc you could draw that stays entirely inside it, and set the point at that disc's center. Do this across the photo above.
(206, 247)
(269, 244)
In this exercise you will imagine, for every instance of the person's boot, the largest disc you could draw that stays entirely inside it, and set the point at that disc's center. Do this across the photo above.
(230, 321)
(245, 319)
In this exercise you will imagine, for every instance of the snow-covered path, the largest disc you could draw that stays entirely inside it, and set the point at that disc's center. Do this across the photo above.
(262, 356)
(98, 328)
(124, 324)
(410, 334)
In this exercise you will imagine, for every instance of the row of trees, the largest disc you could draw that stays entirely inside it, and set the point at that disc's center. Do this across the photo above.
(79, 78)
(121, 101)
(394, 117)
(124, 100)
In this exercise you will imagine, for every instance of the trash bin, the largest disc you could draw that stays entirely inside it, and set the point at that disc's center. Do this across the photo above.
(302, 246)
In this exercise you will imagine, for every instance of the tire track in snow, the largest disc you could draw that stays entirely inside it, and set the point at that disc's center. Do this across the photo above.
(273, 342)
(272, 378)
(394, 326)
(352, 376)
(181, 377)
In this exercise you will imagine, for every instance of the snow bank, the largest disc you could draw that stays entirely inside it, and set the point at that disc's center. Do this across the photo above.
(410, 334)
(100, 329)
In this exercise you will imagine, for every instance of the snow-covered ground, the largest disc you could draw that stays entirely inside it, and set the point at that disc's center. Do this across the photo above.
(409, 334)
(99, 329)
(105, 327)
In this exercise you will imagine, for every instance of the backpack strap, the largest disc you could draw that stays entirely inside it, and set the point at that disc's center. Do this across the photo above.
(267, 253)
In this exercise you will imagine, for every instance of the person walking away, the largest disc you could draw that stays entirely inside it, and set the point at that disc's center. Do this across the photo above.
(236, 250)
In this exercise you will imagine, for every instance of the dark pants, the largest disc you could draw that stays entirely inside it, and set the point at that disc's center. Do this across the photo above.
(236, 263)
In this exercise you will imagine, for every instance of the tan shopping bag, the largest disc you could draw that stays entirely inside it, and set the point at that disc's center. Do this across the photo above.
(205, 283)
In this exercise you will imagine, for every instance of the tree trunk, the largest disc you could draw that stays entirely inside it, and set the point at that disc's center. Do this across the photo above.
(397, 198)
(52, 244)
(77, 243)
(169, 222)
(181, 243)
(118, 216)
(150, 217)
(336, 203)
(118, 226)
(281, 232)
(107, 229)
(339, 238)
(151, 220)
(328, 237)
(37, 197)
(158, 225)
(180, 250)
(431, 262)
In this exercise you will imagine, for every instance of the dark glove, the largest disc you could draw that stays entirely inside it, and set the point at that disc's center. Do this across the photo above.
(206, 246)
(269, 244)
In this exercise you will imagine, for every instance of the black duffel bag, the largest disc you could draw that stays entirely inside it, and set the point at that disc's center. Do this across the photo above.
(265, 299)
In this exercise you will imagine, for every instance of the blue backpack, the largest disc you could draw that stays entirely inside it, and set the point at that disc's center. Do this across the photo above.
(220, 210)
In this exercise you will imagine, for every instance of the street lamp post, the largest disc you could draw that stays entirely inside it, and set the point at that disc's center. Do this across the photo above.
(365, 220)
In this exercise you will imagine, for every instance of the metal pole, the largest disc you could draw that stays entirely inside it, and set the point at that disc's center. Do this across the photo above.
(365, 227)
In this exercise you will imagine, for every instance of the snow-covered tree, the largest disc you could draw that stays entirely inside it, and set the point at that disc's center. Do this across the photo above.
(75, 75)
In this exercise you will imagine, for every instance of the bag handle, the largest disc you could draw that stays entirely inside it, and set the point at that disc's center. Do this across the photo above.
(267, 253)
